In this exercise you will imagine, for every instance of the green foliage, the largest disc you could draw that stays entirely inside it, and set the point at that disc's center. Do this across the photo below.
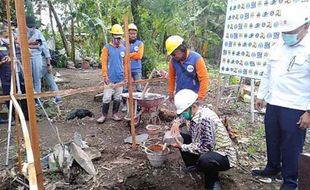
(62, 61)
(241, 125)
(213, 71)
(200, 22)
(234, 80)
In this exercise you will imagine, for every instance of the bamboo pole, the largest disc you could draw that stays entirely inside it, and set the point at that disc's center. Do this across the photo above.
(32, 177)
(21, 23)
(127, 60)
(70, 92)
(12, 57)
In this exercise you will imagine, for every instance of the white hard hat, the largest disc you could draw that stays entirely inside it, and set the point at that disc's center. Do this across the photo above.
(184, 99)
(294, 16)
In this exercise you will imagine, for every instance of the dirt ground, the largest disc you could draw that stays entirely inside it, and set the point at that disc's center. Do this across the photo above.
(120, 167)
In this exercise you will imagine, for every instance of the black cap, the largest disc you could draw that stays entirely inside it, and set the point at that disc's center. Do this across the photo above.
(30, 21)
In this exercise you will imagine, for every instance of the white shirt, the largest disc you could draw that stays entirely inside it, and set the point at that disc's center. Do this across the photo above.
(284, 84)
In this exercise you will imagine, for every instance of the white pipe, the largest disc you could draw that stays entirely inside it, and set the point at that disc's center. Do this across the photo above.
(9, 126)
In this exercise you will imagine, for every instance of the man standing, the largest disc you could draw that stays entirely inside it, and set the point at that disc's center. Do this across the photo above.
(5, 69)
(5, 66)
(187, 69)
(47, 73)
(136, 54)
(286, 89)
(36, 41)
(114, 71)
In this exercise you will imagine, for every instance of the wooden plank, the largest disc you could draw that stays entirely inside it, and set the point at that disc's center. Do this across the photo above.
(21, 23)
(70, 92)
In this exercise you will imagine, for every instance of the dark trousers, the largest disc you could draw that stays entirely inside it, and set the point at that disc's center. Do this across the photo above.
(5, 76)
(285, 142)
(210, 163)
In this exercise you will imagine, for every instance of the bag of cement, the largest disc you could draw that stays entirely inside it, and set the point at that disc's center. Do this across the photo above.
(59, 157)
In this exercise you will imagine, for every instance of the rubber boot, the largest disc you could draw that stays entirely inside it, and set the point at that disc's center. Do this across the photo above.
(116, 105)
(105, 110)
(124, 102)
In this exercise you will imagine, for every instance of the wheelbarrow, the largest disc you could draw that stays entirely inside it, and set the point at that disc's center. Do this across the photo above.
(148, 103)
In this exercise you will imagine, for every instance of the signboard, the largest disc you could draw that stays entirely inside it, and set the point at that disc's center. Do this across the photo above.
(251, 29)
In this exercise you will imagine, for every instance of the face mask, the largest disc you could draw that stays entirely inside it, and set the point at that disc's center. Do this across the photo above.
(116, 42)
(188, 114)
(290, 39)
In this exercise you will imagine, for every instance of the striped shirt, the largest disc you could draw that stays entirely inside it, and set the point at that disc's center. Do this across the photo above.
(209, 134)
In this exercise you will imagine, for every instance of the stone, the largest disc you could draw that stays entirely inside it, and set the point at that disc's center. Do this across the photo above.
(82, 158)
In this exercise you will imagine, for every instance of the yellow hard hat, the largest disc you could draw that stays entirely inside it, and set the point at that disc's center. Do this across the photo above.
(172, 43)
(132, 26)
(117, 29)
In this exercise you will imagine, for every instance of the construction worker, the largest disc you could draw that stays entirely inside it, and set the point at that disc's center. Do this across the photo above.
(286, 89)
(136, 54)
(114, 71)
(187, 69)
(207, 146)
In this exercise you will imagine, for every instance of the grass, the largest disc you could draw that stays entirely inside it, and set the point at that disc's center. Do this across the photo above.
(257, 142)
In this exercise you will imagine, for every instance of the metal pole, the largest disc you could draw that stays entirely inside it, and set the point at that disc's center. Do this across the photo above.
(9, 125)
(127, 60)
(21, 22)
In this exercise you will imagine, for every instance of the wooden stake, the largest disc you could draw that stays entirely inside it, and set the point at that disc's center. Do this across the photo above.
(21, 23)
(127, 61)
(12, 57)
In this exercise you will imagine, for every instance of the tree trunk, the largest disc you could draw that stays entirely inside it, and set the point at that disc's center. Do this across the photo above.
(72, 41)
(104, 33)
(52, 26)
(59, 26)
(192, 40)
(38, 11)
(135, 15)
